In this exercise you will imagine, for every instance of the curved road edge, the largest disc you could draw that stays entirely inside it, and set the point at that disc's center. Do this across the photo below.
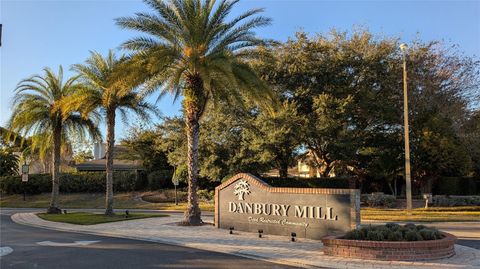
(19, 218)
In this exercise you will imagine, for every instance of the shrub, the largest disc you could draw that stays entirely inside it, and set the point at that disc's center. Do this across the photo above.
(73, 182)
(392, 226)
(394, 232)
(443, 200)
(206, 195)
(427, 234)
(413, 235)
(395, 236)
(355, 235)
(381, 200)
(384, 231)
(410, 226)
(373, 235)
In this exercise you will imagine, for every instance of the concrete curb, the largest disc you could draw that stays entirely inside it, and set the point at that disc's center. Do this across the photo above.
(17, 219)
(468, 255)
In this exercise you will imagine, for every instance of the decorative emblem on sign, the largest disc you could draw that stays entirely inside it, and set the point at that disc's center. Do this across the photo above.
(241, 189)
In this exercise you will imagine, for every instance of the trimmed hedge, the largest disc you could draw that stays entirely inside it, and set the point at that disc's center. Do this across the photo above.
(73, 182)
(301, 182)
(379, 200)
(448, 201)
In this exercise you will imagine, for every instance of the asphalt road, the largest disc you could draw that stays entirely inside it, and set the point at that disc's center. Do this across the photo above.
(59, 250)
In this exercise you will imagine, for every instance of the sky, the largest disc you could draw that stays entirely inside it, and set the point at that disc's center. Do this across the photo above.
(38, 34)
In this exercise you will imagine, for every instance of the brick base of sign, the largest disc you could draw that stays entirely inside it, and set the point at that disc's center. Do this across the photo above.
(391, 251)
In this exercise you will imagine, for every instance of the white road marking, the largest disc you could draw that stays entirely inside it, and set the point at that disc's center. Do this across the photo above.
(5, 251)
(76, 243)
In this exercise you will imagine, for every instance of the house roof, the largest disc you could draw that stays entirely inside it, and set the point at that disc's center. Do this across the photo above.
(119, 165)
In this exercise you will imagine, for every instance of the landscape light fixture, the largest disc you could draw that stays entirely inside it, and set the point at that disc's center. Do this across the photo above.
(408, 180)
(293, 236)
(231, 230)
(260, 232)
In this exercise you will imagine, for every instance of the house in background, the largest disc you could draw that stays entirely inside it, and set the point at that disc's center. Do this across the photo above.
(99, 162)
(302, 169)
(306, 170)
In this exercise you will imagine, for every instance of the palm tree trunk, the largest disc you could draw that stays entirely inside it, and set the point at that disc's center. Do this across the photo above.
(192, 111)
(57, 143)
(109, 167)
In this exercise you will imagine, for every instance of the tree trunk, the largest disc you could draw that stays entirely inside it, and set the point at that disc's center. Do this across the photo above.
(283, 170)
(109, 166)
(192, 110)
(57, 144)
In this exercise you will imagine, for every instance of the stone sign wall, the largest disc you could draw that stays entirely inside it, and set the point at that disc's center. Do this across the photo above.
(246, 203)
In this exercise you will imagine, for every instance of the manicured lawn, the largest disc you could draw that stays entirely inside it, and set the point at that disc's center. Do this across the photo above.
(93, 200)
(133, 201)
(434, 214)
(88, 218)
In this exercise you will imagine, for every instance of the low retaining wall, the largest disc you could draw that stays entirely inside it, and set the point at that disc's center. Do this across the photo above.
(390, 250)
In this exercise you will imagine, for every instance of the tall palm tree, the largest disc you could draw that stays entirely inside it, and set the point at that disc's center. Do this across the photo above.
(37, 113)
(109, 87)
(190, 50)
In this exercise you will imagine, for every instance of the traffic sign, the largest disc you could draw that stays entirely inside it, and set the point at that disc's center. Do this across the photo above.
(25, 169)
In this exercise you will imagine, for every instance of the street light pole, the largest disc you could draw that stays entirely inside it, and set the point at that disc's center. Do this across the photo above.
(408, 179)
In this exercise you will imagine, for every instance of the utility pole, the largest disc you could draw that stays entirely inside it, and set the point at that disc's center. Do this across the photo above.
(408, 179)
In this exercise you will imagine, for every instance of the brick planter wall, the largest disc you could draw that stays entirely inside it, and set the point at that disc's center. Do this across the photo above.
(391, 250)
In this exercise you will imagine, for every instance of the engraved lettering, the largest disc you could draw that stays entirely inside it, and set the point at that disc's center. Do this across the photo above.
(300, 212)
(285, 210)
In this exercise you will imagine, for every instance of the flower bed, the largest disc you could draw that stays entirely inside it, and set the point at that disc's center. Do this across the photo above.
(373, 245)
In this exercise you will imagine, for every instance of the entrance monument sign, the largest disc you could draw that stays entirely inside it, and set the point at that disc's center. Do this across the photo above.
(246, 203)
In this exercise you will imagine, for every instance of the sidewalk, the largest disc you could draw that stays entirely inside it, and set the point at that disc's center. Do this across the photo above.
(305, 253)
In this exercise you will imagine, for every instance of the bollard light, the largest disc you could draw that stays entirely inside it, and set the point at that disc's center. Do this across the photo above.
(260, 232)
(231, 230)
(293, 236)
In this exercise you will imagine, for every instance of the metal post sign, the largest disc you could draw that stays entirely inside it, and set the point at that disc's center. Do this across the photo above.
(24, 173)
(24, 169)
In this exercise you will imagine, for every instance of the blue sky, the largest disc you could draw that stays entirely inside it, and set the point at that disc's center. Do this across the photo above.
(49, 33)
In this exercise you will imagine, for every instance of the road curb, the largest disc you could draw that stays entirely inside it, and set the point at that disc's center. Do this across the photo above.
(15, 218)
(468, 258)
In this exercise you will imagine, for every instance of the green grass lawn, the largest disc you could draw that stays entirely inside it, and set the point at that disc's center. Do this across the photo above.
(133, 201)
(433, 214)
(93, 200)
(88, 218)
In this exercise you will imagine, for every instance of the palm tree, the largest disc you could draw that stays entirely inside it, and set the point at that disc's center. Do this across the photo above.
(37, 112)
(108, 87)
(190, 50)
